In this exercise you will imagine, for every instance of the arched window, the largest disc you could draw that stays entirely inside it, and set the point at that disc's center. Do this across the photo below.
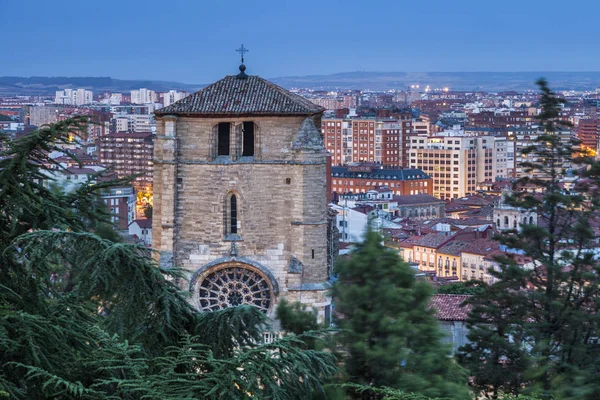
(223, 138)
(506, 221)
(515, 224)
(498, 223)
(233, 214)
(531, 220)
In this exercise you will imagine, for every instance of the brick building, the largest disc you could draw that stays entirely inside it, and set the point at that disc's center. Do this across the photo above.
(364, 177)
(358, 140)
(128, 154)
(503, 120)
(588, 131)
(240, 195)
(120, 202)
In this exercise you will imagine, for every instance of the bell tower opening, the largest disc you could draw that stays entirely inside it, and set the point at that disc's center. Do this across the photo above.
(248, 139)
(223, 138)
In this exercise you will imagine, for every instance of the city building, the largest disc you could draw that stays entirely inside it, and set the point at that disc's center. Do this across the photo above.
(75, 97)
(133, 123)
(356, 140)
(452, 312)
(457, 163)
(143, 96)
(588, 132)
(361, 178)
(240, 196)
(526, 137)
(509, 217)
(120, 201)
(141, 229)
(42, 115)
(172, 96)
(129, 154)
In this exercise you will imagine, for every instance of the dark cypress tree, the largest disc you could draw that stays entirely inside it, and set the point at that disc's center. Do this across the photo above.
(536, 330)
(388, 336)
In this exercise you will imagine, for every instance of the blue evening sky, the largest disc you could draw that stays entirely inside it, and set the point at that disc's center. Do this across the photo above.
(194, 41)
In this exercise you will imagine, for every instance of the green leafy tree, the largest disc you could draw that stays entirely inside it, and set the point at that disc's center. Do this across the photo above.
(388, 335)
(536, 330)
(84, 317)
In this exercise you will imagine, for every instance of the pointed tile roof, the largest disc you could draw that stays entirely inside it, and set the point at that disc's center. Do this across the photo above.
(450, 307)
(232, 96)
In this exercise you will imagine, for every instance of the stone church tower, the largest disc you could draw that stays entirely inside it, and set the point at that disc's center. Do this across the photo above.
(240, 195)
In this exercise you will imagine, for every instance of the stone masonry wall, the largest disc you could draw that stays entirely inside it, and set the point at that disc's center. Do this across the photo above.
(281, 196)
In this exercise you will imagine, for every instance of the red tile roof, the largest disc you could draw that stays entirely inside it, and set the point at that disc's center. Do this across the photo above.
(143, 223)
(234, 96)
(450, 307)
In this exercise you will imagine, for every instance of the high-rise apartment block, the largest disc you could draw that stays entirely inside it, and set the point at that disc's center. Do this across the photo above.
(172, 96)
(360, 140)
(129, 154)
(143, 96)
(133, 123)
(588, 131)
(458, 163)
(75, 97)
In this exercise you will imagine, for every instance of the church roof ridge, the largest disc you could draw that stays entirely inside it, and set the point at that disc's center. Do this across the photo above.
(232, 96)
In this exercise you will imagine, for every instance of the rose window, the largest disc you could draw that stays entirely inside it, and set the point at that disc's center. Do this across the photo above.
(234, 286)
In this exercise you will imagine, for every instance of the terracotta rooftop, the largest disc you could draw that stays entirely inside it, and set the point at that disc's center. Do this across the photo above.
(80, 171)
(131, 135)
(143, 223)
(450, 307)
(453, 248)
(433, 240)
(234, 96)
(380, 174)
(483, 247)
(472, 201)
(416, 199)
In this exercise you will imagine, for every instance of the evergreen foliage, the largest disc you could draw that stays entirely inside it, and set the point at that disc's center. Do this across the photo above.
(388, 336)
(86, 317)
(148, 211)
(536, 330)
(469, 287)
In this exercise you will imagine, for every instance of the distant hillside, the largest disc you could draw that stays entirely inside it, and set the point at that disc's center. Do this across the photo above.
(37, 85)
(485, 81)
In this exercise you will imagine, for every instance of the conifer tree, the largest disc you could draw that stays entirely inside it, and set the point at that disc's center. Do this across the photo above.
(536, 331)
(388, 335)
(83, 317)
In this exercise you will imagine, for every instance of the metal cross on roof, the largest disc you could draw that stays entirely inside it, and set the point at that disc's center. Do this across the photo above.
(242, 50)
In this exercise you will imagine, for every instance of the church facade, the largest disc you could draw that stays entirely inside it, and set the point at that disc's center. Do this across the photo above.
(240, 195)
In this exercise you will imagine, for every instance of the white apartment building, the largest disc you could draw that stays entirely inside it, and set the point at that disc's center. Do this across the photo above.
(172, 96)
(75, 97)
(458, 163)
(134, 123)
(114, 99)
(525, 137)
(143, 96)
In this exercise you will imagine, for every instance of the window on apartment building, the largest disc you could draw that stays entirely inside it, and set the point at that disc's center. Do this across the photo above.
(223, 138)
